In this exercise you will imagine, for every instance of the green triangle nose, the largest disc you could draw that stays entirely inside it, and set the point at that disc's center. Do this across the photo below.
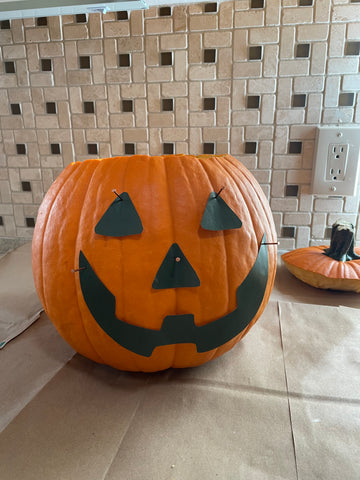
(175, 271)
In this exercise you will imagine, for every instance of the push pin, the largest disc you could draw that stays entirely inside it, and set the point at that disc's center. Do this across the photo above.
(218, 193)
(114, 191)
(74, 270)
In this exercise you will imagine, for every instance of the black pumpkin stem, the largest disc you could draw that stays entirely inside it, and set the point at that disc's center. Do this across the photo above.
(342, 242)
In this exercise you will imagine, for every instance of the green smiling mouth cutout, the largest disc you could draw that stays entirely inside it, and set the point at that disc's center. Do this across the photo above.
(175, 329)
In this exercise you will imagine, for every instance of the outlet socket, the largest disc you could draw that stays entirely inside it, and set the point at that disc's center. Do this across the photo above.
(336, 161)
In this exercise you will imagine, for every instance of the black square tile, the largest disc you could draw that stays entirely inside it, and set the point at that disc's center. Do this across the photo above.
(122, 15)
(9, 67)
(15, 108)
(166, 58)
(257, 4)
(46, 65)
(92, 148)
(127, 106)
(41, 21)
(250, 147)
(209, 103)
(21, 148)
(291, 190)
(124, 60)
(299, 100)
(288, 232)
(129, 148)
(295, 147)
(346, 99)
(81, 18)
(168, 148)
(26, 186)
(167, 104)
(51, 108)
(352, 48)
(89, 107)
(55, 148)
(5, 25)
(30, 222)
(208, 148)
(328, 231)
(165, 11)
(302, 50)
(210, 7)
(84, 62)
(255, 53)
(253, 101)
(210, 55)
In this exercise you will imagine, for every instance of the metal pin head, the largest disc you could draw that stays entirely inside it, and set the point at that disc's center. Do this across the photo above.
(74, 270)
(221, 189)
(114, 191)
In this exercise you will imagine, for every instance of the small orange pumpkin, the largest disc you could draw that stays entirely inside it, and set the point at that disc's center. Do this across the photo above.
(145, 263)
(334, 268)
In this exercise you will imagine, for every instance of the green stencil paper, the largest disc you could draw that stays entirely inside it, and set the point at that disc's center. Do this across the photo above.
(175, 271)
(176, 328)
(218, 215)
(120, 219)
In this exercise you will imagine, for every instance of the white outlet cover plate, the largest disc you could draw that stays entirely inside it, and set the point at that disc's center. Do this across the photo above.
(333, 135)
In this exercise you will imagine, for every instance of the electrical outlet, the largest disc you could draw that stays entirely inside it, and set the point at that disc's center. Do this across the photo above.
(336, 161)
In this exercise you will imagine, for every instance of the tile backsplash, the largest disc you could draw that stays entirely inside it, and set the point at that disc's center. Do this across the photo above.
(252, 78)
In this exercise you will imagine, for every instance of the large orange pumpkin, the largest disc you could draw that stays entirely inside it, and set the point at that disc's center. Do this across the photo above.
(145, 263)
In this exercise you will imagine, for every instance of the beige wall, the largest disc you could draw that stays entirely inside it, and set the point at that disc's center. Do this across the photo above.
(280, 70)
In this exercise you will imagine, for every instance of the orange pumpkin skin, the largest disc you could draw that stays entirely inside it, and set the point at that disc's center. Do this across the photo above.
(318, 270)
(170, 194)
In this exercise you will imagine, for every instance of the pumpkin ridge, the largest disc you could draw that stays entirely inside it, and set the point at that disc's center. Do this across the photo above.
(135, 359)
(74, 171)
(204, 162)
(243, 183)
(265, 215)
(197, 162)
(176, 348)
(171, 348)
(36, 241)
(77, 249)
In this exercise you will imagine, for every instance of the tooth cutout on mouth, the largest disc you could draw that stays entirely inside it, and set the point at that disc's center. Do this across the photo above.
(175, 271)
(218, 215)
(120, 219)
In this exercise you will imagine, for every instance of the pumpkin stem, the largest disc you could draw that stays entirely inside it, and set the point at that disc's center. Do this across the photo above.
(342, 242)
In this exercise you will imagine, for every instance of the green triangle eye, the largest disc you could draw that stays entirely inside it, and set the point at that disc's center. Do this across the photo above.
(120, 219)
(218, 215)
